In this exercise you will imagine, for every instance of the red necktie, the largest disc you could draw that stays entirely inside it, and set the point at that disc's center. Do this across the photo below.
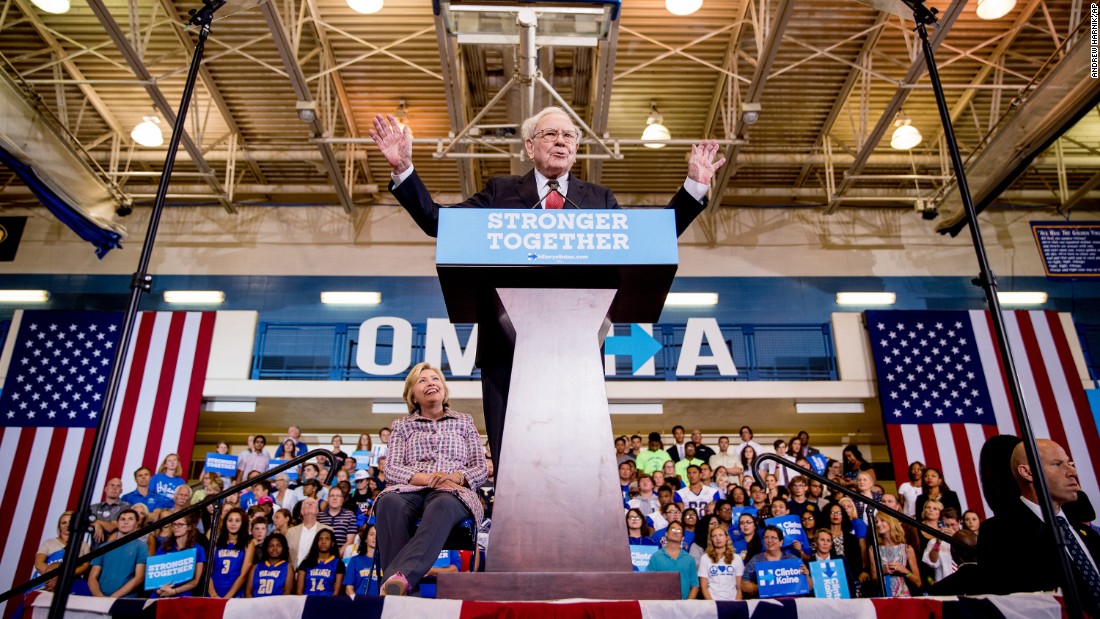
(554, 200)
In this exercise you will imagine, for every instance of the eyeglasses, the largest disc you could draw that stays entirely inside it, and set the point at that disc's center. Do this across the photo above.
(552, 135)
(771, 538)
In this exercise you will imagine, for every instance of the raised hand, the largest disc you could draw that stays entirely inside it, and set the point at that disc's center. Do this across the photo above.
(394, 141)
(701, 165)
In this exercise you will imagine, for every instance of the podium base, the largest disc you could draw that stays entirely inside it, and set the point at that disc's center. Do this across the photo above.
(527, 586)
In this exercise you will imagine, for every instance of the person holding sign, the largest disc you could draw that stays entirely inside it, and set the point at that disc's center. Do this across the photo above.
(673, 558)
(899, 562)
(273, 575)
(321, 572)
(183, 538)
(435, 463)
(233, 556)
(720, 568)
(773, 551)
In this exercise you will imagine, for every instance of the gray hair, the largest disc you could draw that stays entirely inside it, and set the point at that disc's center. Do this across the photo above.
(528, 127)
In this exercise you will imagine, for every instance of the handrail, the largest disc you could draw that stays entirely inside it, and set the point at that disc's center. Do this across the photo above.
(855, 496)
(169, 519)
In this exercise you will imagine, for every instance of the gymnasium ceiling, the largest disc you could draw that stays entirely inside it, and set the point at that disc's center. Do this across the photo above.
(828, 77)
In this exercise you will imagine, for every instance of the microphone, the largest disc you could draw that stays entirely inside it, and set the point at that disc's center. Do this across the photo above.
(553, 185)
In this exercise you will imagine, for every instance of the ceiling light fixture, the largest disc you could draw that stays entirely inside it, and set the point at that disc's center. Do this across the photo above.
(56, 7)
(994, 9)
(866, 298)
(351, 298)
(827, 408)
(906, 136)
(654, 129)
(147, 132)
(196, 297)
(366, 7)
(1022, 298)
(24, 296)
(691, 299)
(683, 7)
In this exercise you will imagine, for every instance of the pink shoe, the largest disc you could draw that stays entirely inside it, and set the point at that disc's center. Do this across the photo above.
(395, 585)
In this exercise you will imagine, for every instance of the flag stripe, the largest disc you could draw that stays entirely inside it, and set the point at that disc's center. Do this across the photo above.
(929, 446)
(1044, 395)
(173, 393)
(899, 451)
(127, 414)
(994, 372)
(42, 513)
(24, 440)
(203, 341)
(964, 456)
(1083, 425)
(151, 388)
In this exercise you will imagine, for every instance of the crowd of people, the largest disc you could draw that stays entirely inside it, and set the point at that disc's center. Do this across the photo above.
(705, 508)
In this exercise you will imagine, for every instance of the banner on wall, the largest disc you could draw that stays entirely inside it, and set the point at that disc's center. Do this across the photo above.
(1068, 249)
(11, 231)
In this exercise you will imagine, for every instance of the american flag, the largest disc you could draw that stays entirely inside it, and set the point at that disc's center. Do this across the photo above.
(57, 366)
(943, 392)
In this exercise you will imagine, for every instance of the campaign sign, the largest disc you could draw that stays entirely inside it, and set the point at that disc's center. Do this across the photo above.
(742, 509)
(792, 529)
(363, 459)
(830, 579)
(568, 236)
(781, 578)
(169, 569)
(818, 463)
(292, 474)
(222, 464)
(376, 452)
(640, 556)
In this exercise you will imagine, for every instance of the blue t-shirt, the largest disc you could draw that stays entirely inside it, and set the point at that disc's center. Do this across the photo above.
(321, 576)
(153, 501)
(270, 579)
(165, 486)
(227, 566)
(359, 575)
(445, 558)
(119, 565)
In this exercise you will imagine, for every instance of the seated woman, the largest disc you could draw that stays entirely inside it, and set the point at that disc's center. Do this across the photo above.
(184, 537)
(434, 462)
(637, 530)
(321, 573)
(273, 575)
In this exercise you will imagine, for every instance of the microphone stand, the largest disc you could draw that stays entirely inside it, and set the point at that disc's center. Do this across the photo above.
(140, 283)
(986, 279)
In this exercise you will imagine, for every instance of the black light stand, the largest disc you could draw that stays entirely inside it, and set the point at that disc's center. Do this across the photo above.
(140, 283)
(988, 283)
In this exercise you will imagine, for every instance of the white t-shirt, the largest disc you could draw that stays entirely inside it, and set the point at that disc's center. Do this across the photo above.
(722, 578)
(698, 501)
(909, 493)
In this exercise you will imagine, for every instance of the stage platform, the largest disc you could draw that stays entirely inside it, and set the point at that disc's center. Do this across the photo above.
(1018, 606)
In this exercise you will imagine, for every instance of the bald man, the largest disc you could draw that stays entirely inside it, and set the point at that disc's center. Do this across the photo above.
(1013, 547)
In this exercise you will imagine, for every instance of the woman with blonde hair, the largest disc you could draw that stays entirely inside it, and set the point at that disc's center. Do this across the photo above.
(435, 462)
(720, 568)
(899, 561)
(169, 477)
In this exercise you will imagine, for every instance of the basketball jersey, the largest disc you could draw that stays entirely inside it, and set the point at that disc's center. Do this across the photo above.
(270, 579)
(321, 577)
(227, 566)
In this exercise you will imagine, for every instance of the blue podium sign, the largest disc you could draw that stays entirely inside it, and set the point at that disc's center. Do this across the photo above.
(566, 236)
(479, 251)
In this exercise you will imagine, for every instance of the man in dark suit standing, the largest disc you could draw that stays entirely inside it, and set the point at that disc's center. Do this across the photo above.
(550, 139)
(1014, 551)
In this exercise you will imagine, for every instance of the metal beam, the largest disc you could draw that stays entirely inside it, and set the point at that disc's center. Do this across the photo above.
(212, 89)
(601, 97)
(305, 97)
(846, 90)
(754, 92)
(457, 103)
(886, 120)
(165, 107)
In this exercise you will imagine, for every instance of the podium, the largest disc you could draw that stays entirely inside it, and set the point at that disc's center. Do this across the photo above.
(553, 282)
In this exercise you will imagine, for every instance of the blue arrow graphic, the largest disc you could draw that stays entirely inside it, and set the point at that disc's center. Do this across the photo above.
(639, 345)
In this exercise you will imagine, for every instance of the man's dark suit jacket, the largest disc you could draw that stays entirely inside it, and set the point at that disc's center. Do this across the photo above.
(494, 355)
(1015, 554)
